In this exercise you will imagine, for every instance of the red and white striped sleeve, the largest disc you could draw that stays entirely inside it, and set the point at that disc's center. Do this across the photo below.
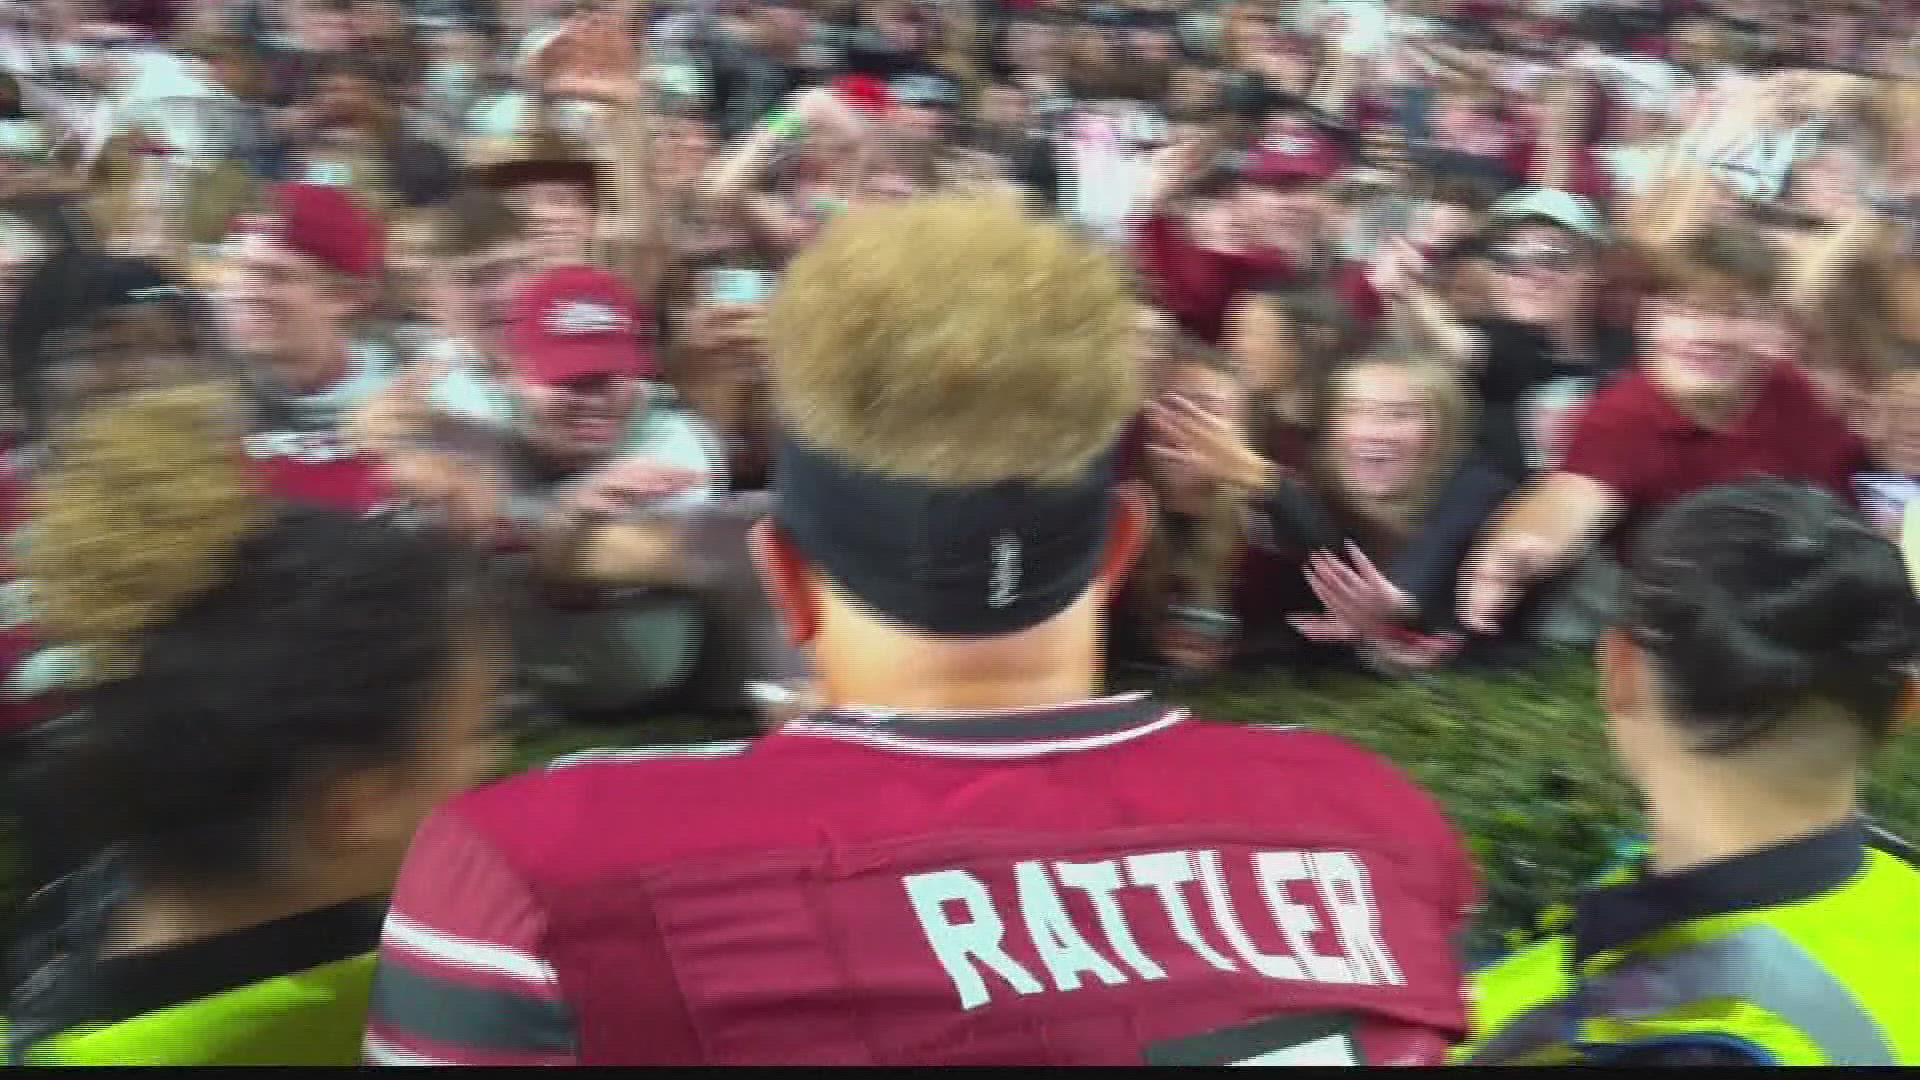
(461, 979)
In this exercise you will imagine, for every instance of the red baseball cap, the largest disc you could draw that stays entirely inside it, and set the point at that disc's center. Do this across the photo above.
(574, 322)
(865, 93)
(1303, 158)
(325, 224)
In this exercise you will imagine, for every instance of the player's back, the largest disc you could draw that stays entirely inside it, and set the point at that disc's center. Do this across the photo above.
(1103, 883)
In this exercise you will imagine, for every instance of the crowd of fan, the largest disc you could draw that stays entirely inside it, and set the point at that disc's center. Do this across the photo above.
(1384, 253)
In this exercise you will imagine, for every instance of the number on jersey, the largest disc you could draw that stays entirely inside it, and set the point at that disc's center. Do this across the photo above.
(1307, 1039)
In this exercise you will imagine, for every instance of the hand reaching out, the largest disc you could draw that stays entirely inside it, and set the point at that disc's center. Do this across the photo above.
(628, 484)
(1365, 608)
(1497, 575)
(1210, 445)
(593, 58)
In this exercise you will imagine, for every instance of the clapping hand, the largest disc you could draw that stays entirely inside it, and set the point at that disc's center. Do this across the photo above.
(1361, 603)
(1363, 607)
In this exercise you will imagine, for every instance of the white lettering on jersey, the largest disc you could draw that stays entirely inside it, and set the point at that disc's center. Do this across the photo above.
(1349, 896)
(1064, 952)
(1100, 880)
(1275, 869)
(1165, 872)
(1213, 883)
(1307, 893)
(975, 938)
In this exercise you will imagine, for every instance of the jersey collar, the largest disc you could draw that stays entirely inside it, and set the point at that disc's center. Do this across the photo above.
(1796, 870)
(995, 733)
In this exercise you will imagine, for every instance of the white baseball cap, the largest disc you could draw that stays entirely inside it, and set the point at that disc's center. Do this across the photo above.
(1563, 208)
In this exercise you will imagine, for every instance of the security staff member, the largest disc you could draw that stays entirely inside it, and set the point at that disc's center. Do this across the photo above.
(249, 794)
(1762, 656)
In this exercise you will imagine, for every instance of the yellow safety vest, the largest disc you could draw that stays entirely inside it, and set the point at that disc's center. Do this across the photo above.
(1828, 979)
(312, 1017)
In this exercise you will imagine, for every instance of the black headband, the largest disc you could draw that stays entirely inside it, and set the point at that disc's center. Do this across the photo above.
(961, 561)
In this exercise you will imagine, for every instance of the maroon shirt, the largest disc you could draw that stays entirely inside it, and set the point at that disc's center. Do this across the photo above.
(1649, 453)
(1197, 285)
(1101, 883)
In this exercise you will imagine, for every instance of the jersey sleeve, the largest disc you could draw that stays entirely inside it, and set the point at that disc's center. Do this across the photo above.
(461, 977)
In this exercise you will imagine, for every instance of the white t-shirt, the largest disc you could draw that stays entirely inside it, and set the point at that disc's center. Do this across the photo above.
(1107, 149)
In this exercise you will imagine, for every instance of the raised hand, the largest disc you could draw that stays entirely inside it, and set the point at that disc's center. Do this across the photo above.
(593, 58)
(1210, 445)
(628, 484)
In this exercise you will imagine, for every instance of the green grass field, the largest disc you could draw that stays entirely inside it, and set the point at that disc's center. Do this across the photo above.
(1519, 761)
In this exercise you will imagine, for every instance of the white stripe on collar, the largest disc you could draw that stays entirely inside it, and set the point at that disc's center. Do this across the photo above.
(1000, 750)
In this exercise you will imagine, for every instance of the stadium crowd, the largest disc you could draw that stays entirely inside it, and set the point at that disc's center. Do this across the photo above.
(385, 378)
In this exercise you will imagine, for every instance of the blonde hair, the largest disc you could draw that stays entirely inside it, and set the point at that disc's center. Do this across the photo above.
(139, 510)
(1451, 408)
(955, 339)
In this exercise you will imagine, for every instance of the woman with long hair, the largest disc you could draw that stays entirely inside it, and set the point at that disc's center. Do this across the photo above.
(1378, 524)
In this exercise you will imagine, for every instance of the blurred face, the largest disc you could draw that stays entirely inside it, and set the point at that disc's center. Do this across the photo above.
(321, 25)
(902, 27)
(685, 147)
(785, 25)
(1546, 276)
(1287, 219)
(1215, 393)
(472, 294)
(293, 310)
(346, 101)
(1151, 46)
(379, 20)
(558, 217)
(239, 297)
(460, 745)
(1273, 364)
(1033, 47)
(1003, 109)
(578, 423)
(1702, 347)
(1381, 431)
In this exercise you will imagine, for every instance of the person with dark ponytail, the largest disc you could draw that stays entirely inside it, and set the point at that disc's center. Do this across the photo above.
(269, 697)
(1763, 654)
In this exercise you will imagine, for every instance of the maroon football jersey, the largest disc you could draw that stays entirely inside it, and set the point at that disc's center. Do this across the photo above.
(1103, 883)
